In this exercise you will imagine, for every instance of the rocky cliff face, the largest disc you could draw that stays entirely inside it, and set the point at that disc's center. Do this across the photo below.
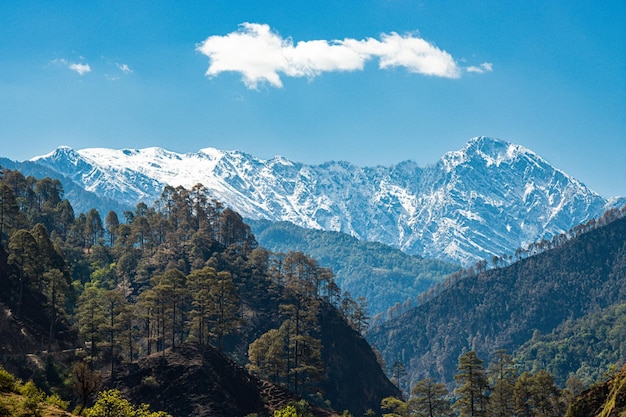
(486, 199)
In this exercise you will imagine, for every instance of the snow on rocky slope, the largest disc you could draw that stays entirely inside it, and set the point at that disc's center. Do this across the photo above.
(486, 199)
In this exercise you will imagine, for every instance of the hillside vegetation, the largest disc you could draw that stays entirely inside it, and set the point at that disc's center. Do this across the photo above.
(178, 306)
(587, 347)
(503, 308)
(108, 291)
(384, 276)
(606, 399)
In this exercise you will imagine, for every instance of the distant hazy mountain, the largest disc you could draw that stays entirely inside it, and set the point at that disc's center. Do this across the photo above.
(486, 199)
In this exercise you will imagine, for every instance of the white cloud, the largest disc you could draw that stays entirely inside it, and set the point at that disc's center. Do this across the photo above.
(124, 68)
(261, 55)
(484, 67)
(81, 69)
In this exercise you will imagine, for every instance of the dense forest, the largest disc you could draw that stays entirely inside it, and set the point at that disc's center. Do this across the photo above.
(389, 279)
(82, 200)
(185, 270)
(572, 288)
(588, 347)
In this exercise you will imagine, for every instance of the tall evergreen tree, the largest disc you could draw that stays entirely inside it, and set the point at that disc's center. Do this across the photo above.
(548, 398)
(94, 230)
(226, 305)
(9, 211)
(398, 375)
(523, 391)
(162, 299)
(112, 222)
(57, 288)
(199, 286)
(24, 255)
(503, 374)
(300, 306)
(113, 305)
(429, 399)
(91, 318)
(64, 219)
(267, 355)
(472, 386)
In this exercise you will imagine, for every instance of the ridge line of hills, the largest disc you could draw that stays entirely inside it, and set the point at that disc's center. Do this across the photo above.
(512, 307)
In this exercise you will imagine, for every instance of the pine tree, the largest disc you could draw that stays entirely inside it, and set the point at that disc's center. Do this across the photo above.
(546, 397)
(472, 386)
(398, 375)
(523, 395)
(267, 355)
(113, 305)
(24, 255)
(300, 307)
(64, 219)
(226, 305)
(9, 211)
(360, 317)
(199, 285)
(93, 228)
(90, 317)
(111, 222)
(57, 287)
(428, 399)
(503, 375)
(162, 308)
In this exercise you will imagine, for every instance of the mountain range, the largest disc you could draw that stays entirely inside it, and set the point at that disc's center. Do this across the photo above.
(489, 198)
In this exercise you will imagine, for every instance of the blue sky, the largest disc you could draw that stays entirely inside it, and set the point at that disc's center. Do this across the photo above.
(373, 82)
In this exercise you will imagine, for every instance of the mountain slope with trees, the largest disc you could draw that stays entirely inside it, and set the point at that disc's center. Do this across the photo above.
(382, 275)
(591, 345)
(505, 307)
(196, 380)
(605, 399)
(81, 199)
(185, 270)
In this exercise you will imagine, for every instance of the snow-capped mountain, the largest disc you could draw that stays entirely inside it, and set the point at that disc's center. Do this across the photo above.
(486, 199)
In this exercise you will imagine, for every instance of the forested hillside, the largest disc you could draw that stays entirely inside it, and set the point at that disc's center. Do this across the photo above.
(505, 307)
(590, 346)
(81, 200)
(385, 277)
(110, 290)
(605, 399)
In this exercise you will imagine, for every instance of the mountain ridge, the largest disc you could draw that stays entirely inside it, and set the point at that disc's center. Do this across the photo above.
(503, 308)
(486, 199)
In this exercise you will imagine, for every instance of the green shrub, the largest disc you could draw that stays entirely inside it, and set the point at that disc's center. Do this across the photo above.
(7, 381)
(33, 397)
(57, 401)
(150, 381)
(5, 411)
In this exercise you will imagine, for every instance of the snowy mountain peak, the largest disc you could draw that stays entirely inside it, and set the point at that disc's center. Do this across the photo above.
(486, 199)
(59, 153)
(211, 153)
(489, 151)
